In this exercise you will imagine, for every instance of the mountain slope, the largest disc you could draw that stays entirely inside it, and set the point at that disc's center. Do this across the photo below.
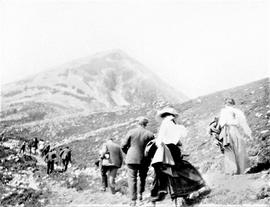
(103, 82)
(85, 133)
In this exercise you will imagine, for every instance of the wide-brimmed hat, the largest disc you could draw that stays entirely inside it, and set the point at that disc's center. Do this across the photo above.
(166, 111)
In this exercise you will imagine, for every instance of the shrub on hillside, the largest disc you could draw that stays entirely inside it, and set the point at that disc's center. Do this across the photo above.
(26, 197)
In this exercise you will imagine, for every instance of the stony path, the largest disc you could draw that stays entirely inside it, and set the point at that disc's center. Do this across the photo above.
(239, 189)
(225, 189)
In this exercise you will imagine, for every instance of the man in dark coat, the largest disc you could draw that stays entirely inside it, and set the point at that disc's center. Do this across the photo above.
(133, 146)
(50, 158)
(111, 159)
(23, 147)
(65, 155)
(33, 144)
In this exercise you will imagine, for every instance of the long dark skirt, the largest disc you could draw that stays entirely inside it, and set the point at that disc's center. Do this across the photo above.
(180, 180)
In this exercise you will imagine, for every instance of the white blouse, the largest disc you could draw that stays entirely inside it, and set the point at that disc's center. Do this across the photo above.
(233, 116)
(169, 132)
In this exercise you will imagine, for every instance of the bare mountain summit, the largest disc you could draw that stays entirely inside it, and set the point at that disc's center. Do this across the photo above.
(103, 82)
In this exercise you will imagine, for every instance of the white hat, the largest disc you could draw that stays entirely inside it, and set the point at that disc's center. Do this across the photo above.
(166, 110)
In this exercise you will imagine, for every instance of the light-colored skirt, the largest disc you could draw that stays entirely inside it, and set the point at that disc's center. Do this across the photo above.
(235, 153)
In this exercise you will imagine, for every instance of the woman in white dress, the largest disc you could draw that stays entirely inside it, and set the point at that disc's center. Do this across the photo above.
(234, 132)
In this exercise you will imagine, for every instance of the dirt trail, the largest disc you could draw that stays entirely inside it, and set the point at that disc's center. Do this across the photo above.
(239, 189)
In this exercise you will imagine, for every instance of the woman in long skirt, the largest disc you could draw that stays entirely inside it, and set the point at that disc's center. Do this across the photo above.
(173, 175)
(234, 132)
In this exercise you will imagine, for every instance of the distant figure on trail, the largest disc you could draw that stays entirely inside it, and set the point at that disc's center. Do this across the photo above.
(234, 132)
(65, 156)
(110, 160)
(41, 144)
(50, 158)
(23, 147)
(214, 131)
(33, 144)
(133, 146)
(173, 174)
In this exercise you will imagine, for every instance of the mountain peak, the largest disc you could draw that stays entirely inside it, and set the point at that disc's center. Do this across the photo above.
(102, 82)
(113, 52)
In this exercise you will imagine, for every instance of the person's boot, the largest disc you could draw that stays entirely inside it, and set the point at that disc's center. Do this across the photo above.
(193, 195)
(204, 190)
(103, 189)
(112, 189)
(140, 197)
(153, 204)
(140, 200)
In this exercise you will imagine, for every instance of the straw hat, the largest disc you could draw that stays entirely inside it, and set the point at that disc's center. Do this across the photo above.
(166, 111)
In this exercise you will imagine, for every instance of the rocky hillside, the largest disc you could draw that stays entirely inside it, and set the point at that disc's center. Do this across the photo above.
(104, 82)
(85, 132)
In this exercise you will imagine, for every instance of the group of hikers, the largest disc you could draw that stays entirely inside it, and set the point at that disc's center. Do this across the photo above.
(51, 155)
(173, 174)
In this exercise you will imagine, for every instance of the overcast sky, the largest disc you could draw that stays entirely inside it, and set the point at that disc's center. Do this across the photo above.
(196, 46)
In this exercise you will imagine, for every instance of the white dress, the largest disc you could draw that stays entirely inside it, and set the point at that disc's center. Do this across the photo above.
(234, 132)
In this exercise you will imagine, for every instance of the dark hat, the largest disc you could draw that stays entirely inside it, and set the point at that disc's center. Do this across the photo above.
(142, 120)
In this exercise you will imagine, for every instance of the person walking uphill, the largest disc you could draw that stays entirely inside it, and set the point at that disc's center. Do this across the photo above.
(133, 146)
(111, 160)
(234, 132)
(65, 155)
(173, 174)
(50, 158)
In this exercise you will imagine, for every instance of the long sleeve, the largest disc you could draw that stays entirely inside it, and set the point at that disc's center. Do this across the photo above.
(126, 143)
(243, 123)
(121, 156)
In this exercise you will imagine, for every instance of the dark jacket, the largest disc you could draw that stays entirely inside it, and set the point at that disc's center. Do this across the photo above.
(65, 154)
(115, 154)
(51, 156)
(134, 144)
